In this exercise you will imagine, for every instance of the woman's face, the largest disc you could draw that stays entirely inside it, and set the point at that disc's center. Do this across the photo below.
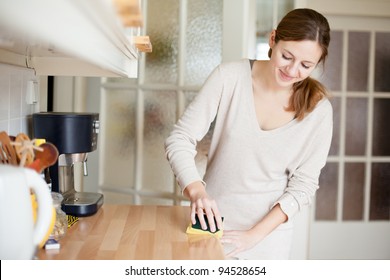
(293, 61)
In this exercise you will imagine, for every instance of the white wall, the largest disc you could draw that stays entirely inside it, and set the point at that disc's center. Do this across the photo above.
(239, 29)
(15, 113)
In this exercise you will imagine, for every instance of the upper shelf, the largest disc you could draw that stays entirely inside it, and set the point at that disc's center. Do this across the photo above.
(68, 37)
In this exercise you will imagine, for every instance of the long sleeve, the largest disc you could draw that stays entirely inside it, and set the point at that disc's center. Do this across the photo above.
(303, 181)
(181, 144)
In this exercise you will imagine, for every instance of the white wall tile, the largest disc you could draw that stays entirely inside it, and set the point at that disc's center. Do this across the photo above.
(15, 126)
(15, 113)
(4, 96)
(16, 95)
(4, 125)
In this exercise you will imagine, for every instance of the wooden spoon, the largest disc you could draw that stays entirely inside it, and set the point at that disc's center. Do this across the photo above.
(45, 158)
(24, 148)
(7, 152)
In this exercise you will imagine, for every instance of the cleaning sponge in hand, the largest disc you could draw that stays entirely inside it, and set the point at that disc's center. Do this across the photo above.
(197, 228)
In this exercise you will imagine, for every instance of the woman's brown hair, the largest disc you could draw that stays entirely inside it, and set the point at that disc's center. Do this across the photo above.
(299, 25)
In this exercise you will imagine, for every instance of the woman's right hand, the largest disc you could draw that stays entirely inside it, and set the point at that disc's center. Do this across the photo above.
(202, 204)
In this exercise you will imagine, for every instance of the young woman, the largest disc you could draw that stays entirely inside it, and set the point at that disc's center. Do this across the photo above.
(273, 129)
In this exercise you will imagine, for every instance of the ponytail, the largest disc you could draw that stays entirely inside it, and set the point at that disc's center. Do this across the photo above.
(306, 95)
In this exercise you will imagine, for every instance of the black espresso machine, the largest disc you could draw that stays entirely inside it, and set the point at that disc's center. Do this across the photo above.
(75, 135)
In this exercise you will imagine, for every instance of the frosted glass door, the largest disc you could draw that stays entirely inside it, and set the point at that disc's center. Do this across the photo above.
(139, 114)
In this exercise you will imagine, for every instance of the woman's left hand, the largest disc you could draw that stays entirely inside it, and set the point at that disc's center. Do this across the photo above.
(246, 239)
(242, 240)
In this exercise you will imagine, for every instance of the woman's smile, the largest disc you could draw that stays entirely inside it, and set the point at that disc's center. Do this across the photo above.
(285, 77)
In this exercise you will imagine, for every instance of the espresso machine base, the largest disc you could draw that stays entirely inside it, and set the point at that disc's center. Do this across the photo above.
(81, 204)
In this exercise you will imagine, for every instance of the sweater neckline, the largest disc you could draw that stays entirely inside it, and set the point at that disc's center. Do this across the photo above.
(253, 116)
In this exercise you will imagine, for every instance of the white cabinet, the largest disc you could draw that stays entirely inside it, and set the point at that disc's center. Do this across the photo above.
(67, 38)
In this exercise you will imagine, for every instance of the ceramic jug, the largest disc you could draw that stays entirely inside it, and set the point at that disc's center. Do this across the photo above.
(20, 236)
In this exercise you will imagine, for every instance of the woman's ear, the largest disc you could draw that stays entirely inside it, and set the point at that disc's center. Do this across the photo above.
(272, 38)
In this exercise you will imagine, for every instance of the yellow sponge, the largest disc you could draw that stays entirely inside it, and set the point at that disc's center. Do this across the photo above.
(197, 228)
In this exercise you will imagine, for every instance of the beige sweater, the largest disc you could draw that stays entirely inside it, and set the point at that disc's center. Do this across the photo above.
(249, 170)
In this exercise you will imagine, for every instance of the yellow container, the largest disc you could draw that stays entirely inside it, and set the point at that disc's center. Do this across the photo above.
(35, 206)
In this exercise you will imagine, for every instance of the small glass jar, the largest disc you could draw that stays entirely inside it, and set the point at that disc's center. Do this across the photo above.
(61, 224)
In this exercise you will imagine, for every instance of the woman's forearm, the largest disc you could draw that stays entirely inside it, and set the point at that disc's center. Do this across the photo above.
(271, 221)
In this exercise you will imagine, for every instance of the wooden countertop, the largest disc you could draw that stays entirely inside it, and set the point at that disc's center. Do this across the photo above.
(134, 232)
